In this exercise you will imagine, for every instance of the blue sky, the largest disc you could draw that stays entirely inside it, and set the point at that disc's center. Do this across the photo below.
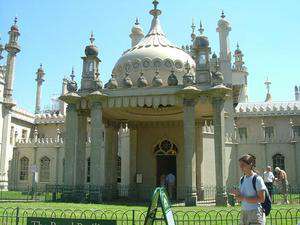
(55, 33)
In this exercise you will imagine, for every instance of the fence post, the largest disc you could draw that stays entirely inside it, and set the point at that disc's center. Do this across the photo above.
(17, 215)
(133, 222)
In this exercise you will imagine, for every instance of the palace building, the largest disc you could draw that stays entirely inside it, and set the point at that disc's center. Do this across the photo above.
(165, 109)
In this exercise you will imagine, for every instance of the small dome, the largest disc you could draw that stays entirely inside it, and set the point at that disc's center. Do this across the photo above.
(201, 42)
(91, 50)
(142, 82)
(172, 79)
(214, 56)
(137, 29)
(72, 86)
(157, 81)
(223, 22)
(112, 83)
(127, 81)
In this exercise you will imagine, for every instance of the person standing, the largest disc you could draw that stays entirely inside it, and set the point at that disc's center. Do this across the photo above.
(170, 181)
(269, 178)
(250, 197)
(283, 183)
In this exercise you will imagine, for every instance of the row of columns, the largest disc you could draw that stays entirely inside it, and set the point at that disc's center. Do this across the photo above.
(103, 160)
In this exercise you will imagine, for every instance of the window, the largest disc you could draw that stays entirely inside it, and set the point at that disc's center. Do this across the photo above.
(88, 170)
(24, 164)
(202, 59)
(12, 133)
(296, 130)
(45, 169)
(91, 67)
(269, 132)
(118, 169)
(278, 161)
(242, 132)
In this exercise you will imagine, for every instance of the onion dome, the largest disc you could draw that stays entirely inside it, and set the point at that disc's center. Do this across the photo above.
(172, 79)
(201, 41)
(142, 82)
(112, 83)
(127, 81)
(157, 81)
(153, 51)
(188, 78)
(214, 55)
(91, 50)
(72, 85)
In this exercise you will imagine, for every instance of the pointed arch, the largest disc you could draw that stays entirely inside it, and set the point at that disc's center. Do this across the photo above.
(45, 169)
(24, 166)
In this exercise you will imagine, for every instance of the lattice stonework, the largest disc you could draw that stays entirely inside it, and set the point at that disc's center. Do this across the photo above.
(165, 147)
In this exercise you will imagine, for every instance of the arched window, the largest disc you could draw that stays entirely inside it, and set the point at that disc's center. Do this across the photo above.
(165, 147)
(45, 169)
(24, 164)
(278, 161)
(88, 170)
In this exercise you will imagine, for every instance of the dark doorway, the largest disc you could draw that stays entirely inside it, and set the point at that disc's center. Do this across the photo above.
(165, 164)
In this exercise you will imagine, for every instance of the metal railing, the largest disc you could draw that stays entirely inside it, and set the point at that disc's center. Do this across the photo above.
(18, 216)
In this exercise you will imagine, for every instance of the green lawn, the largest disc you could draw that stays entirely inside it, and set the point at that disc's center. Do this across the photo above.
(281, 214)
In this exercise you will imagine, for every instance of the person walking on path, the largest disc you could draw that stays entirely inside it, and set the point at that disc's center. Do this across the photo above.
(250, 197)
(269, 179)
(282, 183)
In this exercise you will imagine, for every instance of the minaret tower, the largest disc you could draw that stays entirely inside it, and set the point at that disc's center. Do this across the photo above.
(137, 33)
(240, 74)
(39, 81)
(225, 56)
(202, 53)
(90, 70)
(12, 48)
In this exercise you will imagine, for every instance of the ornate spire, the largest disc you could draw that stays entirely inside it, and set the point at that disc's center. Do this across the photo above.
(268, 96)
(72, 75)
(193, 26)
(201, 29)
(237, 46)
(137, 21)
(15, 20)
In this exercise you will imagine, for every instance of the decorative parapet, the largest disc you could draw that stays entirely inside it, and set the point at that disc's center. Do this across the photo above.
(47, 118)
(40, 141)
(22, 114)
(268, 108)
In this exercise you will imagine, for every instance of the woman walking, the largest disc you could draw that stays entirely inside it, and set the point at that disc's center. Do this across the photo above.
(251, 193)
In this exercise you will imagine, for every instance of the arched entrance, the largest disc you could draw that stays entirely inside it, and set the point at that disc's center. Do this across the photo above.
(165, 152)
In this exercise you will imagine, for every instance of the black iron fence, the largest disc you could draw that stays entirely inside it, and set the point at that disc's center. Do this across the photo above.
(96, 194)
(18, 216)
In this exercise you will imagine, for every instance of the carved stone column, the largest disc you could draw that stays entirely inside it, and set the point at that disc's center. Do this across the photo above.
(80, 156)
(189, 152)
(219, 138)
(97, 142)
(70, 144)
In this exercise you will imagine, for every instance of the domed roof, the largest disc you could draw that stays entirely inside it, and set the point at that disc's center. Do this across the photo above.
(137, 29)
(153, 52)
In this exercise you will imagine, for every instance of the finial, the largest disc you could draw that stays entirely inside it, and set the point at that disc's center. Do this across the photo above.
(157, 70)
(223, 14)
(41, 66)
(155, 3)
(155, 12)
(137, 22)
(193, 26)
(72, 74)
(237, 46)
(92, 39)
(201, 29)
(187, 67)
(15, 20)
